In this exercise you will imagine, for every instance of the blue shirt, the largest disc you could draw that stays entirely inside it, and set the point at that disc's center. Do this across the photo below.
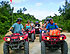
(17, 27)
(28, 27)
(51, 26)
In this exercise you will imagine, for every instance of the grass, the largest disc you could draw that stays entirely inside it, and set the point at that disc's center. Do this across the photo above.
(1, 38)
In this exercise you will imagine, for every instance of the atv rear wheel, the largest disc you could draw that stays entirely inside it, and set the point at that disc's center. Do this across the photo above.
(64, 48)
(5, 49)
(40, 37)
(26, 47)
(32, 37)
(43, 47)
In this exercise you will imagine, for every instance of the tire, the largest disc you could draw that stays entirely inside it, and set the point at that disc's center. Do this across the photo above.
(43, 48)
(26, 47)
(5, 49)
(32, 37)
(64, 48)
(40, 37)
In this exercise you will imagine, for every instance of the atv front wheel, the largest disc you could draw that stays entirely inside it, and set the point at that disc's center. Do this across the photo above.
(5, 48)
(43, 47)
(64, 48)
(26, 47)
(40, 37)
(32, 37)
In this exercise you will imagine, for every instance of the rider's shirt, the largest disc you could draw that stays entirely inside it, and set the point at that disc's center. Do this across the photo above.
(17, 27)
(51, 26)
(38, 25)
(28, 26)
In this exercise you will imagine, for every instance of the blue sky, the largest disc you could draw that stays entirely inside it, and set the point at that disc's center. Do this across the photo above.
(39, 8)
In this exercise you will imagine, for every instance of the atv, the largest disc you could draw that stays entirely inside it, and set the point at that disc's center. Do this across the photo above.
(16, 41)
(31, 34)
(54, 41)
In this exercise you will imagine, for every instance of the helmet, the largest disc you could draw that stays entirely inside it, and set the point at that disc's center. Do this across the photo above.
(19, 19)
(36, 22)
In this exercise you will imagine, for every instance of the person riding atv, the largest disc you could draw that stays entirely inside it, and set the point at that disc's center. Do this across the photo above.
(17, 27)
(52, 26)
(28, 25)
(53, 39)
(46, 22)
(30, 31)
(17, 40)
(37, 27)
(37, 24)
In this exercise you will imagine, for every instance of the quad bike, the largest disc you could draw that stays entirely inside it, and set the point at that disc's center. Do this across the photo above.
(54, 41)
(16, 41)
(31, 34)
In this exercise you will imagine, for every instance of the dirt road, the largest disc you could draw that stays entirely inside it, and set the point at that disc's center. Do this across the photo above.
(35, 47)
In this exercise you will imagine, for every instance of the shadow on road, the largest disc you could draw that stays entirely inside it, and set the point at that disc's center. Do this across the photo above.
(17, 52)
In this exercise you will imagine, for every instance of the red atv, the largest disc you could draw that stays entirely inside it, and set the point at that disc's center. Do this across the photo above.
(54, 41)
(31, 34)
(15, 42)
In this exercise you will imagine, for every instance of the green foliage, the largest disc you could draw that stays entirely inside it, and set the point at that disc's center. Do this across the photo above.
(6, 16)
(63, 21)
(1, 38)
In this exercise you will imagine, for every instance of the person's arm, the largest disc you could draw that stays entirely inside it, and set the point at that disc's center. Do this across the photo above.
(22, 27)
(58, 27)
(31, 27)
(12, 27)
(47, 27)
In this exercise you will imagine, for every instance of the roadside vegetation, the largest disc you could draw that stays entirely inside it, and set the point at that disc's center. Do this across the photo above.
(63, 20)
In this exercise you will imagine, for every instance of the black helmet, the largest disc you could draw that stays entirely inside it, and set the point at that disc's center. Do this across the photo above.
(19, 19)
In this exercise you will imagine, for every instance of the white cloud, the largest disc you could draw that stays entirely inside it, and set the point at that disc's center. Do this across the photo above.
(39, 4)
(42, 14)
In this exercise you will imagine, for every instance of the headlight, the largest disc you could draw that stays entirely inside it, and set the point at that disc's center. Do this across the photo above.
(21, 38)
(60, 38)
(48, 38)
(8, 39)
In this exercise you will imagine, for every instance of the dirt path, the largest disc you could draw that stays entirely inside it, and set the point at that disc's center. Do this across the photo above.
(35, 47)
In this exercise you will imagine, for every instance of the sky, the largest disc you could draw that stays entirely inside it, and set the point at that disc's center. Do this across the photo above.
(39, 8)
